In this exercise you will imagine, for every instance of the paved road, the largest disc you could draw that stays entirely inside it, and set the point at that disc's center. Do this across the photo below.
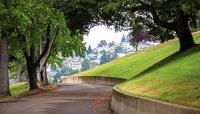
(68, 99)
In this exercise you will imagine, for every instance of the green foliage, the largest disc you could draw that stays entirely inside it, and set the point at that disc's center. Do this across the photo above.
(80, 14)
(104, 58)
(65, 71)
(85, 65)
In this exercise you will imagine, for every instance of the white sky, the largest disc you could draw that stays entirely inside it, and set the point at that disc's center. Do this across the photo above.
(99, 33)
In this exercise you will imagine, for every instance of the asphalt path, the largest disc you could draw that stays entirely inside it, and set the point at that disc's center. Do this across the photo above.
(68, 99)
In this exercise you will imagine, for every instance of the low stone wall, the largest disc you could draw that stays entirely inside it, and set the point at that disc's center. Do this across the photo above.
(125, 104)
(91, 80)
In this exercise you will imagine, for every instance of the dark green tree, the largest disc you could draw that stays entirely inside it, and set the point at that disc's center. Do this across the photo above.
(111, 44)
(85, 65)
(123, 39)
(89, 50)
(104, 58)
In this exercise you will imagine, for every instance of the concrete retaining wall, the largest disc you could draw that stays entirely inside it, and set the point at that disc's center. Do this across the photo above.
(125, 104)
(91, 80)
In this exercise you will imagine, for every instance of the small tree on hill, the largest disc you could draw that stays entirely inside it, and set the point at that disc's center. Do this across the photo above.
(138, 35)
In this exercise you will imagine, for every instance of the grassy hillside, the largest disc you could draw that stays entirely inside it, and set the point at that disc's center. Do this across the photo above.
(132, 65)
(175, 80)
(159, 73)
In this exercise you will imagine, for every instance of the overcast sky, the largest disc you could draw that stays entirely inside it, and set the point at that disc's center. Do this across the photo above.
(99, 33)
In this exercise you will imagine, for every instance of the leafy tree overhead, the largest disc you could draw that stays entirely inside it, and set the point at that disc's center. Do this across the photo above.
(173, 15)
(7, 14)
(36, 30)
(42, 20)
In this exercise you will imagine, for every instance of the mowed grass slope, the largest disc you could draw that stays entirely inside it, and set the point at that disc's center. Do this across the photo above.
(176, 80)
(159, 73)
(132, 65)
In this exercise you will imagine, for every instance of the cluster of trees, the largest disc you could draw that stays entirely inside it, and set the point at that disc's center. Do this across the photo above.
(85, 65)
(34, 32)
(105, 58)
(65, 71)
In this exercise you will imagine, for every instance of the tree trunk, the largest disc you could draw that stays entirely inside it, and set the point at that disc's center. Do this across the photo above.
(32, 74)
(31, 68)
(136, 47)
(19, 71)
(183, 32)
(24, 76)
(43, 74)
(4, 80)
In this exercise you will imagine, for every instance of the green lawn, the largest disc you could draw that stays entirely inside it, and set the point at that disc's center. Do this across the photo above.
(158, 73)
(132, 65)
(19, 88)
(176, 80)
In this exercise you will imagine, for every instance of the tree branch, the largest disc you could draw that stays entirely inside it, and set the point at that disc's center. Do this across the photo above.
(46, 45)
(45, 58)
(149, 8)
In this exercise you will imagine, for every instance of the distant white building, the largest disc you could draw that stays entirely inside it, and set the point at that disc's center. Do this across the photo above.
(92, 56)
(119, 55)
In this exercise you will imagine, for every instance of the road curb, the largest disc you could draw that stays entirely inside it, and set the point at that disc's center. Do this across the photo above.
(91, 80)
(128, 104)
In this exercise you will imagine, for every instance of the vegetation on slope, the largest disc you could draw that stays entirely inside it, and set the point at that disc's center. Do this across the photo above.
(175, 80)
(160, 73)
(132, 65)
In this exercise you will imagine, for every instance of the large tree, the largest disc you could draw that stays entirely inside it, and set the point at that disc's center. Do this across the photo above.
(6, 25)
(165, 15)
(173, 15)
(45, 32)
